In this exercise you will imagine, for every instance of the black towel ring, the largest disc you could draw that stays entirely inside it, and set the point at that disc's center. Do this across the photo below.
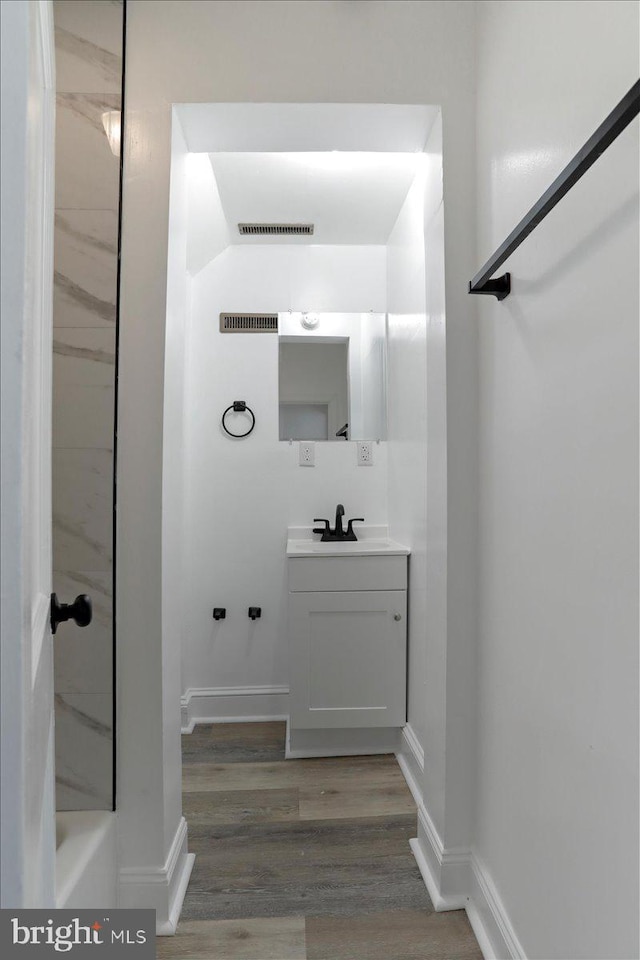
(239, 406)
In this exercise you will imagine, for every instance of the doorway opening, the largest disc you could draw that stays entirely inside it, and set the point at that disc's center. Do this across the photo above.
(339, 387)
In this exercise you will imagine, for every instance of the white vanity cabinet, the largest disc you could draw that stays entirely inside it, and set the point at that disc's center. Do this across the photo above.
(348, 640)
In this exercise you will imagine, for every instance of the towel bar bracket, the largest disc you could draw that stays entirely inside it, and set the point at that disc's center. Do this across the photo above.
(499, 287)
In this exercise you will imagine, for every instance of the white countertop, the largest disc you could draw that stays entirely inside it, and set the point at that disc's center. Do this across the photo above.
(365, 547)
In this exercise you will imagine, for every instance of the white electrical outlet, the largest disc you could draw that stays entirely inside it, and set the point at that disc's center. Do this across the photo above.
(365, 453)
(307, 453)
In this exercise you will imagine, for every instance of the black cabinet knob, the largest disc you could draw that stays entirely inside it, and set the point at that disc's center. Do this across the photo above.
(81, 611)
(255, 613)
(219, 613)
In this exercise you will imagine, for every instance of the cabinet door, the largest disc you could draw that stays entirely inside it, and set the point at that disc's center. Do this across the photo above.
(348, 659)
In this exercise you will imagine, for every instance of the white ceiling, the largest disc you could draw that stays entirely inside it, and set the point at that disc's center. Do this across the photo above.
(352, 198)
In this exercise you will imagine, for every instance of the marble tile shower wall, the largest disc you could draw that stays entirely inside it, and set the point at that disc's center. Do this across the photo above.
(89, 77)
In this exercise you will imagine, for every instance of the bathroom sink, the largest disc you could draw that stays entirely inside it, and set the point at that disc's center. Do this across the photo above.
(366, 547)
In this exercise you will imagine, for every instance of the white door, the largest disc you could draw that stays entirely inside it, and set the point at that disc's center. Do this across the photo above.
(348, 659)
(27, 138)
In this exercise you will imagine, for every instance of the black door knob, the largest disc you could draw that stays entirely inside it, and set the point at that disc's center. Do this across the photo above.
(80, 611)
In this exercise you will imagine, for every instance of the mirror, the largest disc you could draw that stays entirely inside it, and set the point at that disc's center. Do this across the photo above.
(332, 376)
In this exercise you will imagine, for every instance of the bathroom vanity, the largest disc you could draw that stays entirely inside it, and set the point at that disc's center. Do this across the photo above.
(347, 628)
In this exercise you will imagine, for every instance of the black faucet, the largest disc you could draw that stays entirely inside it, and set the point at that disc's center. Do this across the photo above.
(338, 533)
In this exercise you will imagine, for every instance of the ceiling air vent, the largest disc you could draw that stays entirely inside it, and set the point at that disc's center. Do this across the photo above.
(248, 323)
(276, 229)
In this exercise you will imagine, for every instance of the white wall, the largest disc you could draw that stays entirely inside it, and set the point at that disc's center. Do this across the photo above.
(208, 232)
(174, 451)
(180, 51)
(373, 348)
(557, 789)
(153, 865)
(407, 410)
(242, 495)
(440, 674)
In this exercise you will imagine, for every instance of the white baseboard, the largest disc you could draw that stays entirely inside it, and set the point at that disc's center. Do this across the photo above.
(489, 918)
(445, 872)
(456, 879)
(233, 705)
(161, 888)
(410, 757)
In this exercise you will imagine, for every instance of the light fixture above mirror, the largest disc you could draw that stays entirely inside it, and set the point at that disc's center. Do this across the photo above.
(309, 321)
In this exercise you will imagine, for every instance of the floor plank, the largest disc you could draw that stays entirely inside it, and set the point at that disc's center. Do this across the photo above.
(264, 939)
(322, 773)
(234, 743)
(392, 935)
(355, 800)
(205, 809)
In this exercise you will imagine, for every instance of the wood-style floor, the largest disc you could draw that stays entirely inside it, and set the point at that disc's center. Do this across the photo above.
(302, 859)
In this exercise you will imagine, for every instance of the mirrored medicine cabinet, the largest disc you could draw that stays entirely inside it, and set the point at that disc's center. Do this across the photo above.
(332, 373)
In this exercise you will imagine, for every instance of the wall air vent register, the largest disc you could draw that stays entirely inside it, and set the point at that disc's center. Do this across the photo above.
(248, 323)
(276, 229)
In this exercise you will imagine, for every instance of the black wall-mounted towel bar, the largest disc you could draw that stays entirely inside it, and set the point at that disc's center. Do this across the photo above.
(612, 127)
